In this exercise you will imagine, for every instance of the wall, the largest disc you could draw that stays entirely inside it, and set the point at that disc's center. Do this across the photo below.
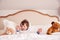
(46, 6)
(29, 4)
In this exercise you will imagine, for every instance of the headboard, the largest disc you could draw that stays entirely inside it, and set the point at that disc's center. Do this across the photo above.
(34, 17)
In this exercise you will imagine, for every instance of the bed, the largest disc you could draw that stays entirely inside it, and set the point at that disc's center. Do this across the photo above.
(36, 19)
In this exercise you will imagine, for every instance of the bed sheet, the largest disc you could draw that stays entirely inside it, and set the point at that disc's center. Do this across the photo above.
(30, 36)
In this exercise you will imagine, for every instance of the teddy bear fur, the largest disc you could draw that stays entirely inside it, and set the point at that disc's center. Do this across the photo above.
(54, 28)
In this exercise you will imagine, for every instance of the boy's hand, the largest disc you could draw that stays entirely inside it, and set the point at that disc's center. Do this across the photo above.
(17, 27)
(39, 31)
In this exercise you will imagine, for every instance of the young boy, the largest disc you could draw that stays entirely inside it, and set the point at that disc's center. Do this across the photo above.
(24, 25)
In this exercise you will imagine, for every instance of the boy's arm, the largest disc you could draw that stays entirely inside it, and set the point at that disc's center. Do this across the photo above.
(18, 28)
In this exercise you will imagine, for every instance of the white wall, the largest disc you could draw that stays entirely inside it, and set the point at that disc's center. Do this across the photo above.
(29, 4)
(58, 9)
(51, 7)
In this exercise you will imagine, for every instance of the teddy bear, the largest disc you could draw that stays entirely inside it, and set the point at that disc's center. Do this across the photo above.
(54, 28)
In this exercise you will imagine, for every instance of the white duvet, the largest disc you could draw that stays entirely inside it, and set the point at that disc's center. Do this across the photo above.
(30, 36)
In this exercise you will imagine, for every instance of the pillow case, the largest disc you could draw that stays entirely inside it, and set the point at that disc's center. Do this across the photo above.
(56, 33)
(34, 28)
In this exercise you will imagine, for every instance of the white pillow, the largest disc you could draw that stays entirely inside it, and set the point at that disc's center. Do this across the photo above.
(56, 33)
(34, 28)
(45, 28)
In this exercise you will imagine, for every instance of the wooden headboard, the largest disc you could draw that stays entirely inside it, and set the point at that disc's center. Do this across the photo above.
(33, 16)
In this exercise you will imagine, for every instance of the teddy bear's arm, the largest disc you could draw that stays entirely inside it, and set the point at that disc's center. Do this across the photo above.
(49, 31)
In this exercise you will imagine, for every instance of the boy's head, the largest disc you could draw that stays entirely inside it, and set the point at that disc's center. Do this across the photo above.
(24, 25)
(55, 25)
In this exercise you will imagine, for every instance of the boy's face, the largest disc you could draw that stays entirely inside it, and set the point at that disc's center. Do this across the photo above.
(24, 27)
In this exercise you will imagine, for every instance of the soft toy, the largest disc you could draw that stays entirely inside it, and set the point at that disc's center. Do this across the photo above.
(10, 27)
(54, 28)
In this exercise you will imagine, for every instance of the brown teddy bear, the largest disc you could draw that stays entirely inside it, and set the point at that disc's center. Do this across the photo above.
(54, 28)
